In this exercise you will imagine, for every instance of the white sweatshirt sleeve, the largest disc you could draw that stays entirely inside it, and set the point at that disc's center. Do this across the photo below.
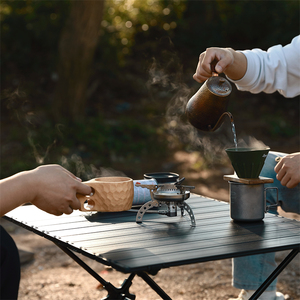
(277, 69)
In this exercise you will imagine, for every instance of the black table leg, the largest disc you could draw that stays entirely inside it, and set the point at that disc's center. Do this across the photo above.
(122, 293)
(275, 273)
(154, 285)
(114, 293)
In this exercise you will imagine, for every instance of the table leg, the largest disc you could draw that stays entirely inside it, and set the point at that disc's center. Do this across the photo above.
(114, 293)
(122, 293)
(275, 273)
(154, 285)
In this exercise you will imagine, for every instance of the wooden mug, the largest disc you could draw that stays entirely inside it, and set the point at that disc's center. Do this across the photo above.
(109, 194)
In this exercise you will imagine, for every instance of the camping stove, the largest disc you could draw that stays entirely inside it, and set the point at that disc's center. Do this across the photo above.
(167, 197)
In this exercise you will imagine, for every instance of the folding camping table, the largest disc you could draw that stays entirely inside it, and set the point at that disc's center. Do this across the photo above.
(116, 240)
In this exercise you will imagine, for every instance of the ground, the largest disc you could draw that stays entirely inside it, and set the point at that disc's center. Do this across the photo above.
(51, 274)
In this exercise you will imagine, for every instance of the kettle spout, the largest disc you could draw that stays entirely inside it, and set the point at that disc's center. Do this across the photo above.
(221, 120)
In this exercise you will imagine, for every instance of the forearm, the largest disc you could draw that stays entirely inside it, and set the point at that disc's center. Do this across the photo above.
(15, 191)
(51, 188)
(238, 68)
(276, 69)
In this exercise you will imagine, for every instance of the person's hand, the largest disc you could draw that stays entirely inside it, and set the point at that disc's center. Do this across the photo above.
(288, 170)
(220, 60)
(55, 189)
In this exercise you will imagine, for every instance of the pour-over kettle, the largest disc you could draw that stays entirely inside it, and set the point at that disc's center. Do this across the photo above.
(207, 108)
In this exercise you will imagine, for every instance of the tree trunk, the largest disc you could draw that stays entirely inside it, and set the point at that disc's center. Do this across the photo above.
(76, 52)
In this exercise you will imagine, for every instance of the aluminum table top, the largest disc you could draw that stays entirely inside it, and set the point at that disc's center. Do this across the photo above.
(115, 239)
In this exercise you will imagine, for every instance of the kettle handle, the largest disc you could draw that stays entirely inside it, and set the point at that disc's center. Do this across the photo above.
(213, 68)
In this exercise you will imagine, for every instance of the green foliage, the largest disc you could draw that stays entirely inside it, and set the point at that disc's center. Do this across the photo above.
(280, 126)
(146, 55)
(99, 142)
(30, 33)
(237, 24)
(132, 25)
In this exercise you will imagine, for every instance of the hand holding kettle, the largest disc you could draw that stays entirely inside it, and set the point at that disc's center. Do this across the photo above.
(207, 108)
(226, 60)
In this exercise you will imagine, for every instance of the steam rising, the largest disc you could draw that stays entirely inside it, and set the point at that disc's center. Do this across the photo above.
(18, 103)
(211, 144)
(169, 77)
(88, 171)
(251, 142)
(180, 130)
(40, 159)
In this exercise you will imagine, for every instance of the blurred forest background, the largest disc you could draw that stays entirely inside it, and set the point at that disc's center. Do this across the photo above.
(102, 85)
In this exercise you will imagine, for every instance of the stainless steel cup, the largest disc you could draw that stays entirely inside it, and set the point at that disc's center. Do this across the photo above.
(248, 201)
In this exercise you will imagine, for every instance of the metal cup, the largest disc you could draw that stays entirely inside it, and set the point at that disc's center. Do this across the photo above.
(248, 201)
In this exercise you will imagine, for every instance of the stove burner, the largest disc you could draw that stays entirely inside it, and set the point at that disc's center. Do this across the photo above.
(167, 197)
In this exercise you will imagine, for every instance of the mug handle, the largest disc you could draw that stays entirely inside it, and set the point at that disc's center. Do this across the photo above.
(90, 203)
(265, 196)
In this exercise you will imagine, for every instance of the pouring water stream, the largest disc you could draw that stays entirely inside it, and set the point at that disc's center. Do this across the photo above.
(232, 128)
